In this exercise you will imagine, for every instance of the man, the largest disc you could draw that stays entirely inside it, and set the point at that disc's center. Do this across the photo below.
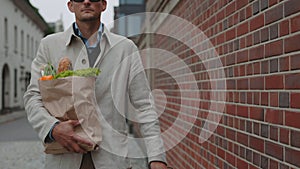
(89, 44)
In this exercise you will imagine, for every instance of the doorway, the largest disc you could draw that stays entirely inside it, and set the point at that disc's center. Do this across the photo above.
(5, 89)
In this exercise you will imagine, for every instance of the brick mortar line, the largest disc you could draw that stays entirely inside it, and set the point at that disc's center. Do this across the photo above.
(193, 55)
(188, 82)
(193, 108)
(188, 123)
(240, 64)
(191, 158)
(220, 101)
(248, 19)
(231, 103)
(219, 158)
(256, 136)
(190, 155)
(197, 162)
(267, 107)
(290, 34)
(260, 90)
(253, 134)
(238, 117)
(172, 138)
(283, 126)
(258, 75)
(246, 62)
(177, 162)
(237, 143)
(264, 75)
(237, 64)
(248, 148)
(229, 90)
(219, 147)
(256, 45)
(190, 14)
(241, 145)
(244, 35)
(275, 5)
(223, 8)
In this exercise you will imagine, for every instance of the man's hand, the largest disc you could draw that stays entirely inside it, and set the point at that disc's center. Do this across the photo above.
(64, 134)
(158, 165)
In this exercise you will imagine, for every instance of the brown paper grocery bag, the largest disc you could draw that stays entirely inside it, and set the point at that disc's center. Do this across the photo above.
(73, 98)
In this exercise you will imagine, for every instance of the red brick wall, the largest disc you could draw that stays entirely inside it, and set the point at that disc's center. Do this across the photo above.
(258, 42)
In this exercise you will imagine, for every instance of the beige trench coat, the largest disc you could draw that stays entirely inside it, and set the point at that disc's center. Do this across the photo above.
(121, 80)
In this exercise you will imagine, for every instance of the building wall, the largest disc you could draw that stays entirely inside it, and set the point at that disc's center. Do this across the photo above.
(127, 24)
(23, 37)
(258, 45)
(57, 26)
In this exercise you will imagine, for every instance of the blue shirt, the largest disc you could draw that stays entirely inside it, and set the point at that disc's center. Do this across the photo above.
(86, 42)
(93, 50)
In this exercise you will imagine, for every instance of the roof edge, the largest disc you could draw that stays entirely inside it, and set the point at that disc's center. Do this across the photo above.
(33, 13)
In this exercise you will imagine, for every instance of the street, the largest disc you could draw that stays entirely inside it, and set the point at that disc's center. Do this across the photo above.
(20, 147)
(18, 130)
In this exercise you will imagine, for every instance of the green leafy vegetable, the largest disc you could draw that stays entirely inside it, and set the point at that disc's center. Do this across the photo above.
(49, 70)
(82, 72)
(87, 72)
(64, 74)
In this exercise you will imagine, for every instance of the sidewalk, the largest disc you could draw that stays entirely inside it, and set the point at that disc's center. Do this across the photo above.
(21, 154)
(12, 116)
(30, 155)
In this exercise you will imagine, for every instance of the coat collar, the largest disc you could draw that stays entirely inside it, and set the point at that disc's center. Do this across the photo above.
(70, 35)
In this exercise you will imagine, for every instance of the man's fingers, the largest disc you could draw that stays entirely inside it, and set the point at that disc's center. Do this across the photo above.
(81, 140)
(73, 146)
(76, 148)
(74, 123)
(66, 136)
(69, 148)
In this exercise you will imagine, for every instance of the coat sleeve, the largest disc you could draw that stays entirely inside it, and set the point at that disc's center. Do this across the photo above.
(37, 115)
(142, 100)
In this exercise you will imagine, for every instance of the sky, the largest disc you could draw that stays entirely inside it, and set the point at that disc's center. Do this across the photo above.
(53, 10)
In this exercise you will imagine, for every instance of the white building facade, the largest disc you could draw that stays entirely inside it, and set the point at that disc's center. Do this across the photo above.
(21, 29)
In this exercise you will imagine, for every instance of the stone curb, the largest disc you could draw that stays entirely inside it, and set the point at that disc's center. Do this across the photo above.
(12, 116)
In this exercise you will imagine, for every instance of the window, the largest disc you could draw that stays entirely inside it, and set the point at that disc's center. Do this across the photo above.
(27, 45)
(36, 47)
(122, 25)
(132, 2)
(16, 83)
(138, 2)
(134, 25)
(32, 47)
(27, 79)
(16, 39)
(122, 2)
(5, 32)
(22, 43)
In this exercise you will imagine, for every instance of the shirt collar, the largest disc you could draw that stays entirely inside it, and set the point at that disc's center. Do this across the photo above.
(86, 42)
(70, 34)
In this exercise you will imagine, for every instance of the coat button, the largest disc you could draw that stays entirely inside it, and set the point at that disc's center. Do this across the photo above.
(83, 61)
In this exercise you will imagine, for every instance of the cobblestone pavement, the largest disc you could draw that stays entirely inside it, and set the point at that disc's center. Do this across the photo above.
(21, 155)
(30, 155)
